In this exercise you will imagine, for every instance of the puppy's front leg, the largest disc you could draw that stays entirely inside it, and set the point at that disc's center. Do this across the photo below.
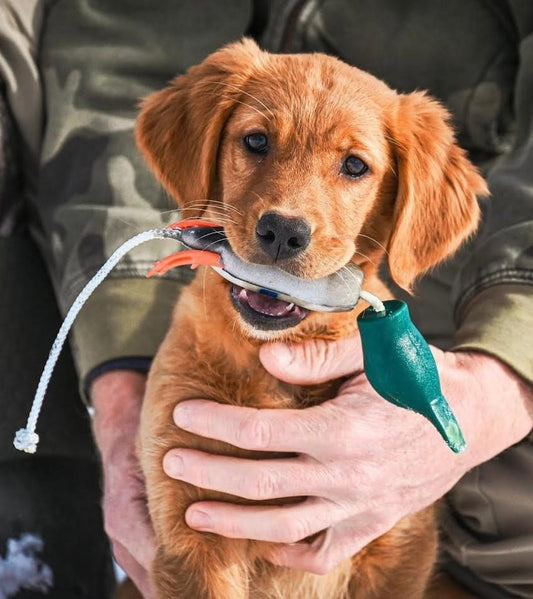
(188, 564)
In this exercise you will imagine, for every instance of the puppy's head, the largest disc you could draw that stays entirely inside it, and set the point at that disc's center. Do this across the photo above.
(310, 164)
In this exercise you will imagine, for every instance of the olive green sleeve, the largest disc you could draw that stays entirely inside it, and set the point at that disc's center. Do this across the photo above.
(498, 321)
(125, 319)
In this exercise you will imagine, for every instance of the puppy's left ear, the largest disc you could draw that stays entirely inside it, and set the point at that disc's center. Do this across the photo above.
(436, 207)
(179, 127)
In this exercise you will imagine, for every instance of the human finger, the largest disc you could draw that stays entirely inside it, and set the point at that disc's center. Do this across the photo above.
(250, 479)
(314, 361)
(309, 431)
(288, 523)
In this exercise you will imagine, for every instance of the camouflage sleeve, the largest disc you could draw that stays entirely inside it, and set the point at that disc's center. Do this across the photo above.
(495, 288)
(20, 28)
(96, 61)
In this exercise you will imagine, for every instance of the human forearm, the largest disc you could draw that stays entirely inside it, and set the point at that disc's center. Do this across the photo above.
(117, 399)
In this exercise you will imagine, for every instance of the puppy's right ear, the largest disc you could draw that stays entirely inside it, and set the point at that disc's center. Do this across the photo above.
(436, 207)
(179, 127)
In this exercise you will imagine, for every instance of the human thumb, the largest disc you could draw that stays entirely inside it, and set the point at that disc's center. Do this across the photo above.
(314, 361)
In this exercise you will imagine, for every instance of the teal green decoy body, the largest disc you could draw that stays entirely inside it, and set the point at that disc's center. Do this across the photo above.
(401, 368)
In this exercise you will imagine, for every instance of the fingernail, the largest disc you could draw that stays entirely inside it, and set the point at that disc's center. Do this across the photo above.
(182, 415)
(199, 520)
(173, 465)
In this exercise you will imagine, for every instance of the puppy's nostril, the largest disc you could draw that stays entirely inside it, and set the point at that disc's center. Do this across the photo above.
(282, 237)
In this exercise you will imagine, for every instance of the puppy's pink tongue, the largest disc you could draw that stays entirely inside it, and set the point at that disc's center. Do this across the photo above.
(264, 304)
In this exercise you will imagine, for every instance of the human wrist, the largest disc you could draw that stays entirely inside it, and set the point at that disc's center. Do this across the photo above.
(494, 405)
(116, 398)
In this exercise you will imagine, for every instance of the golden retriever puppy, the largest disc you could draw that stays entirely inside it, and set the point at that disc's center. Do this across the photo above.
(309, 164)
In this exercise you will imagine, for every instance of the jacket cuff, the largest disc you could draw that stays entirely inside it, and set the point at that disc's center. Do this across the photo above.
(123, 322)
(497, 322)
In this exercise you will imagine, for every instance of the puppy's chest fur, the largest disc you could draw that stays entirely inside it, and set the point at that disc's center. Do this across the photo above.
(261, 390)
(207, 356)
(237, 377)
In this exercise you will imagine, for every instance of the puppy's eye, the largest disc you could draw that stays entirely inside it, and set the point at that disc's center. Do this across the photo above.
(256, 143)
(354, 167)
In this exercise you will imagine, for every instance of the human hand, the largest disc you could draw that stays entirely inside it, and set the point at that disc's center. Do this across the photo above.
(361, 462)
(117, 398)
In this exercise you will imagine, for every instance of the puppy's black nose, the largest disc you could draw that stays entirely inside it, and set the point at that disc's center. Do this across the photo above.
(282, 237)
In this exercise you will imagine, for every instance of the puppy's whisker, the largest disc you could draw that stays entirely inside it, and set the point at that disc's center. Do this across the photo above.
(195, 206)
(223, 206)
(218, 213)
(131, 224)
(199, 204)
(206, 203)
(211, 208)
(208, 246)
(222, 217)
(240, 90)
(236, 211)
(375, 241)
(192, 212)
(219, 218)
(367, 258)
(164, 212)
(260, 198)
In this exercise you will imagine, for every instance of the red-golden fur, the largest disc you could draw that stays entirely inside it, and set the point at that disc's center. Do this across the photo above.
(417, 201)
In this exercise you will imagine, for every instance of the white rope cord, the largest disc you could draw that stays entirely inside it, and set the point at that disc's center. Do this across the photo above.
(376, 303)
(26, 439)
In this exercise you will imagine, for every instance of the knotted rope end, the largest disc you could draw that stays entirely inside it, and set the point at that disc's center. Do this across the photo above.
(26, 440)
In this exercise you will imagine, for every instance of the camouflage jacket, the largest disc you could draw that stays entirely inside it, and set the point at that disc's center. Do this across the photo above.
(73, 74)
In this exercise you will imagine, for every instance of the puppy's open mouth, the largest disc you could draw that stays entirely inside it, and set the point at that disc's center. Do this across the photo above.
(264, 312)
